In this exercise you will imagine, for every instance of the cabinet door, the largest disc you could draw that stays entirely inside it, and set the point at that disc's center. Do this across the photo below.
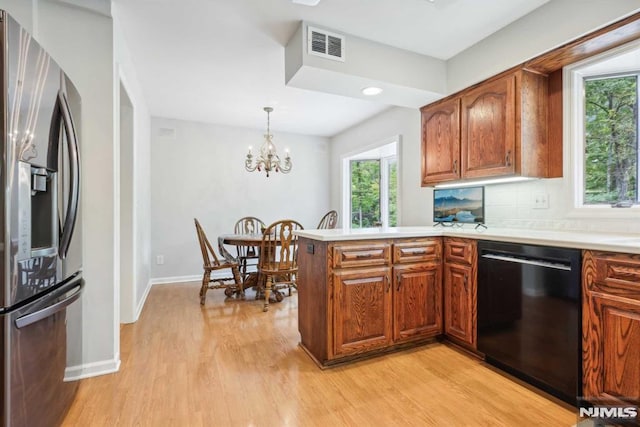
(611, 327)
(441, 142)
(362, 308)
(611, 358)
(417, 301)
(460, 303)
(488, 129)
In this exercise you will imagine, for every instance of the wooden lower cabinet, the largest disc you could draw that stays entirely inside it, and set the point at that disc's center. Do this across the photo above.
(460, 293)
(457, 300)
(362, 310)
(611, 327)
(417, 300)
(360, 298)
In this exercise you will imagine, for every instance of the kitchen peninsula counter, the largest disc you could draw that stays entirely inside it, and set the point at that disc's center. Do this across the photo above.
(614, 242)
(363, 292)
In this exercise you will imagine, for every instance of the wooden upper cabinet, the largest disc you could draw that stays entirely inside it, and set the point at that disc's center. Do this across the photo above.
(488, 129)
(441, 142)
(497, 128)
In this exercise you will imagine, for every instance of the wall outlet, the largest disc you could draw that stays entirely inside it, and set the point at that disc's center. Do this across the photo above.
(160, 259)
(541, 201)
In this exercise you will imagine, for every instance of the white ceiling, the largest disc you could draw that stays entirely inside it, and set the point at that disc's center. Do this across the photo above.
(221, 61)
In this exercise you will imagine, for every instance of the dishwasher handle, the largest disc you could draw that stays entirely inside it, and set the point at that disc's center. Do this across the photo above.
(529, 261)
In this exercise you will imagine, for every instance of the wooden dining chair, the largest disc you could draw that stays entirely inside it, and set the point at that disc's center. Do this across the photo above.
(329, 220)
(210, 263)
(247, 256)
(278, 264)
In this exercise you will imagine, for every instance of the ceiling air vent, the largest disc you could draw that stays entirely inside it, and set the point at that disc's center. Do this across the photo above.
(325, 44)
(167, 133)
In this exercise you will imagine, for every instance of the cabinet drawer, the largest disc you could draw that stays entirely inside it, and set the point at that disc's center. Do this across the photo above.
(612, 273)
(459, 250)
(361, 255)
(423, 250)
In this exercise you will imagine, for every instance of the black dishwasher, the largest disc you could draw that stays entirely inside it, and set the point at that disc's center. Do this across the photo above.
(529, 321)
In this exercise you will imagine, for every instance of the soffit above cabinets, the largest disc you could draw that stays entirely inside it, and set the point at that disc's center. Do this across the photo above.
(102, 7)
(407, 79)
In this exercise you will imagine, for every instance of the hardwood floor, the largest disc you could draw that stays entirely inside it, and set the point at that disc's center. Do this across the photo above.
(231, 364)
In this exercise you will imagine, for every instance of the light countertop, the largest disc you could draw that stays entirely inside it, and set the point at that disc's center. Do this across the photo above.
(625, 243)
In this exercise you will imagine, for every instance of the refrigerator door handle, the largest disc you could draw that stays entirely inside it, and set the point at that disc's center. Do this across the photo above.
(31, 318)
(62, 113)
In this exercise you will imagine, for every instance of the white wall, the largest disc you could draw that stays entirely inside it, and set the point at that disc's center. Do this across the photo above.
(199, 173)
(550, 26)
(82, 43)
(134, 291)
(405, 122)
(124, 187)
(25, 12)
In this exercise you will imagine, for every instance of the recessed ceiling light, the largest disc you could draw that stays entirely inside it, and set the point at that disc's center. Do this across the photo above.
(371, 91)
(306, 2)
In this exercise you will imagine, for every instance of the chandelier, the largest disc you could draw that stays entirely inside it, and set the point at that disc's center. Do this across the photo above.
(267, 158)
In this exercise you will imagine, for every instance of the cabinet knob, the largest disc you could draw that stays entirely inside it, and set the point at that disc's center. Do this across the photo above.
(455, 166)
(399, 280)
(388, 282)
(507, 160)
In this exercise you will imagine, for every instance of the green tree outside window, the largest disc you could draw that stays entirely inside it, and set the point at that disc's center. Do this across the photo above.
(367, 207)
(365, 193)
(611, 140)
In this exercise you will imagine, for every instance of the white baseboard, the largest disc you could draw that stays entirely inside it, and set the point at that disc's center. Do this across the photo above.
(93, 369)
(142, 301)
(175, 279)
(182, 279)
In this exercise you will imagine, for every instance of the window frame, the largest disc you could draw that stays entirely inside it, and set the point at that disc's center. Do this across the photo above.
(574, 76)
(361, 154)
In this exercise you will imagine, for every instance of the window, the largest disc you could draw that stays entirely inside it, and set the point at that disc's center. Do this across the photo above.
(371, 184)
(604, 129)
(611, 140)
(365, 193)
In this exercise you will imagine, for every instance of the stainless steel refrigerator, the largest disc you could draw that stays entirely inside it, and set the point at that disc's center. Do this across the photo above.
(41, 262)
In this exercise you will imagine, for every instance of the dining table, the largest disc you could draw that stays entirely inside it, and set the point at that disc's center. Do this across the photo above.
(253, 279)
(241, 239)
(253, 241)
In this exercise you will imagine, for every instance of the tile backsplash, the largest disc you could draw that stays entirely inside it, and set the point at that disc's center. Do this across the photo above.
(513, 206)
